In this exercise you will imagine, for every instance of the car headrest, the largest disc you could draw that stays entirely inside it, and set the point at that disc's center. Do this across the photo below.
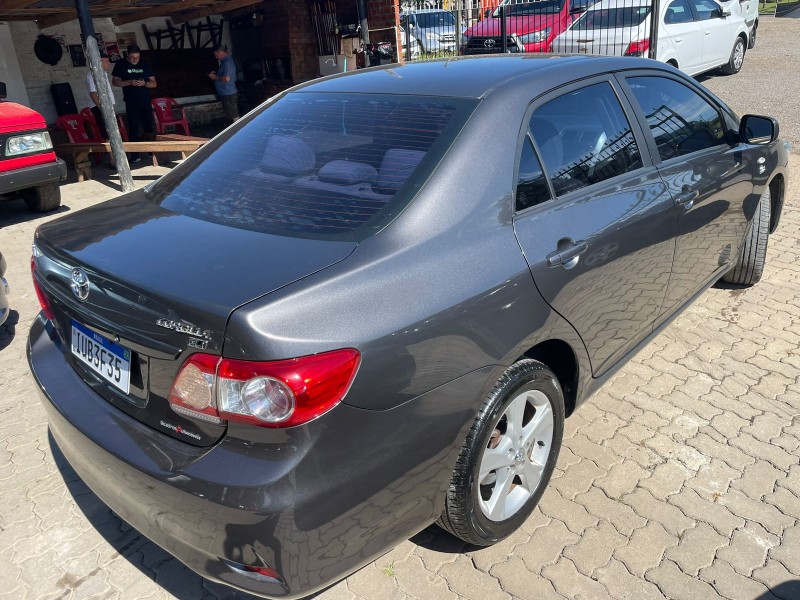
(347, 172)
(287, 155)
(397, 166)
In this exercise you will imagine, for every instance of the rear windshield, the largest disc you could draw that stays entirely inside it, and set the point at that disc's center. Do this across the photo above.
(612, 18)
(328, 166)
(538, 7)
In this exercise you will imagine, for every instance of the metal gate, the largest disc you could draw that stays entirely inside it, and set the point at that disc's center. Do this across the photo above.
(442, 28)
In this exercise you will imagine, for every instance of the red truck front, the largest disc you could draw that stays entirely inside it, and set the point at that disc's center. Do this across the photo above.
(28, 164)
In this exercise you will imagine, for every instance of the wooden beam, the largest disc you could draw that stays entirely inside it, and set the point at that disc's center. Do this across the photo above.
(158, 11)
(57, 19)
(215, 9)
(14, 4)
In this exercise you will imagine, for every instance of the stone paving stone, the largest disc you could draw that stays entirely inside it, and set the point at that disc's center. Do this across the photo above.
(521, 583)
(748, 549)
(600, 455)
(733, 457)
(667, 479)
(372, 582)
(569, 582)
(753, 447)
(471, 583)
(413, 579)
(732, 585)
(782, 583)
(697, 548)
(707, 511)
(572, 514)
(645, 548)
(786, 501)
(670, 517)
(759, 479)
(766, 515)
(485, 558)
(577, 479)
(620, 515)
(787, 552)
(621, 584)
(673, 583)
(545, 546)
(621, 479)
(595, 548)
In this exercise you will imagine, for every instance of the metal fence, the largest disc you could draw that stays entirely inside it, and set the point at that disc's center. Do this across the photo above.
(441, 28)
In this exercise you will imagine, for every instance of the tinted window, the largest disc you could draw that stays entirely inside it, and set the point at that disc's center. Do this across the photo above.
(583, 138)
(680, 119)
(317, 165)
(706, 9)
(532, 188)
(436, 19)
(540, 7)
(678, 12)
(611, 18)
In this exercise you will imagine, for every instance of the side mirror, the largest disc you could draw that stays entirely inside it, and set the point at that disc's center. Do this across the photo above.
(755, 129)
(725, 13)
(2, 90)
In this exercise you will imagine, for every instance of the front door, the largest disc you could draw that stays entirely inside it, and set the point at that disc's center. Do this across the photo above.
(596, 223)
(683, 33)
(717, 33)
(708, 178)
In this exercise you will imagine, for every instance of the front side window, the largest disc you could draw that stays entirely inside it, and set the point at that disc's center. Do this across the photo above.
(532, 188)
(584, 138)
(333, 166)
(706, 10)
(680, 119)
(678, 11)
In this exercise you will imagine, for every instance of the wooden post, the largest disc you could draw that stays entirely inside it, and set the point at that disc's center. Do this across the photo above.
(106, 102)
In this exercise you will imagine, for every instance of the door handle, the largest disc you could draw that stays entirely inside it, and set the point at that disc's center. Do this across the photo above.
(562, 257)
(686, 198)
(678, 40)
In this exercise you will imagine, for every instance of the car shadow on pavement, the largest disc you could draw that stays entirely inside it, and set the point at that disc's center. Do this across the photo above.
(789, 590)
(8, 329)
(438, 540)
(156, 564)
(14, 211)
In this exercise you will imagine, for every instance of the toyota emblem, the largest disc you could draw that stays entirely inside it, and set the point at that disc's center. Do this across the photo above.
(80, 284)
(489, 43)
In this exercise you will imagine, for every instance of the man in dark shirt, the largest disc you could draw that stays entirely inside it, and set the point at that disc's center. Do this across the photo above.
(136, 79)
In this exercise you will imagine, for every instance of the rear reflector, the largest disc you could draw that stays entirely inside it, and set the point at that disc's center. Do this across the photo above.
(638, 48)
(280, 393)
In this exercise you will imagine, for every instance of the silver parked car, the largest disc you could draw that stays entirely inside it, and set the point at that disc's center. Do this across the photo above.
(385, 293)
(434, 29)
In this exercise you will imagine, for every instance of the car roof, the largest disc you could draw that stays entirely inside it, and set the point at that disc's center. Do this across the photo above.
(474, 76)
(417, 11)
(605, 4)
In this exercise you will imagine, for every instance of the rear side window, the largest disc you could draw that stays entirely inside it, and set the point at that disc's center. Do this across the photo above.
(681, 120)
(532, 188)
(333, 166)
(584, 138)
(678, 12)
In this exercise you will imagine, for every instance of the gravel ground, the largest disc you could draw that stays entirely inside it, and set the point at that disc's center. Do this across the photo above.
(769, 82)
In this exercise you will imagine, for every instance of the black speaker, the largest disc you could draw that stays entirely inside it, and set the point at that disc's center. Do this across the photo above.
(64, 99)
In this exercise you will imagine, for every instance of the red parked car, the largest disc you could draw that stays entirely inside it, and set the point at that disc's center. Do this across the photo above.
(27, 161)
(530, 26)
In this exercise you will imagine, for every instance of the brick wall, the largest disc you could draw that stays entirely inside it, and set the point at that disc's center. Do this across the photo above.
(302, 43)
(38, 76)
(384, 21)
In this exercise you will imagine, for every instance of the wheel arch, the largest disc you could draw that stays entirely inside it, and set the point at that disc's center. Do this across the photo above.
(777, 189)
(558, 356)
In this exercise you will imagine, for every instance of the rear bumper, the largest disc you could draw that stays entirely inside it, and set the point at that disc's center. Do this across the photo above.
(29, 177)
(312, 503)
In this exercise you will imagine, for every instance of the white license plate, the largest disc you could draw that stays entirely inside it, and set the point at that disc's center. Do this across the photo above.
(110, 361)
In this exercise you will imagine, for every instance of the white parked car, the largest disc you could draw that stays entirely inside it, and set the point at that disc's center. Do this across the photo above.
(748, 9)
(694, 35)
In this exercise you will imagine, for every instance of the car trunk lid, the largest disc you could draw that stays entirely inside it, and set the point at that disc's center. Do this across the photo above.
(160, 286)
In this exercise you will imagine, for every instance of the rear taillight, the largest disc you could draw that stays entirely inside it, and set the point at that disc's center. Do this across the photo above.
(638, 48)
(43, 301)
(280, 393)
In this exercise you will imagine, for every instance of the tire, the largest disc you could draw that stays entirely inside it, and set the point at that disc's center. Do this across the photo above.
(751, 43)
(43, 198)
(736, 60)
(752, 257)
(527, 400)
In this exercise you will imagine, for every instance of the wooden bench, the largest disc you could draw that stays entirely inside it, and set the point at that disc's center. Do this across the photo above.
(162, 143)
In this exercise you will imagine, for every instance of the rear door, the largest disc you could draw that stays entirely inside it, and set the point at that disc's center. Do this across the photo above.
(709, 179)
(717, 33)
(593, 218)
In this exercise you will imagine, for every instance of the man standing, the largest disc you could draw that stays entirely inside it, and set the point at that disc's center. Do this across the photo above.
(93, 97)
(136, 79)
(224, 79)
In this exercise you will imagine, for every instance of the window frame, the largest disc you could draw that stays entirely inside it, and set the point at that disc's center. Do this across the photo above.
(692, 12)
(632, 118)
(730, 120)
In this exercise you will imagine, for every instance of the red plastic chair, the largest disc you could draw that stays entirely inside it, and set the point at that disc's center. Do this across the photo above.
(169, 113)
(80, 130)
(89, 115)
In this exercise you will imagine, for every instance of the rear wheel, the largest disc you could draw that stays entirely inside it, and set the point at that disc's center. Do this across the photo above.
(736, 60)
(43, 198)
(508, 456)
(752, 257)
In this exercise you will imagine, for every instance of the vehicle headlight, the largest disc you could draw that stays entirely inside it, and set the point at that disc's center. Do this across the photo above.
(30, 142)
(535, 37)
(431, 36)
(465, 40)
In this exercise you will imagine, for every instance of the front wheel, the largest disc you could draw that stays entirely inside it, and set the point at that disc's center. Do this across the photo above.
(749, 266)
(736, 60)
(508, 456)
(43, 198)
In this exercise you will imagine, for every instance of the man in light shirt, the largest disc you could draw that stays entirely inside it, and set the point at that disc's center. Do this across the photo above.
(94, 99)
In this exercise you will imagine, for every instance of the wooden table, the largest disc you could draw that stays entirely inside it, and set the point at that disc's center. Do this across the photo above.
(162, 143)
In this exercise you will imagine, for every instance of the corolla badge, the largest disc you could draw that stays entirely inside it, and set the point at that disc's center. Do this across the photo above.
(79, 284)
(183, 327)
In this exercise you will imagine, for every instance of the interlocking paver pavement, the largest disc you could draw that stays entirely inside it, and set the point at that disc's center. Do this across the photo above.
(680, 479)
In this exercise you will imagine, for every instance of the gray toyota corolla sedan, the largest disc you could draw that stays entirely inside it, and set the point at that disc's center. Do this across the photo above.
(370, 304)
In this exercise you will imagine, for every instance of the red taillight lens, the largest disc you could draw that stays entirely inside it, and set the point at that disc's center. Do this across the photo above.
(43, 301)
(280, 393)
(638, 48)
